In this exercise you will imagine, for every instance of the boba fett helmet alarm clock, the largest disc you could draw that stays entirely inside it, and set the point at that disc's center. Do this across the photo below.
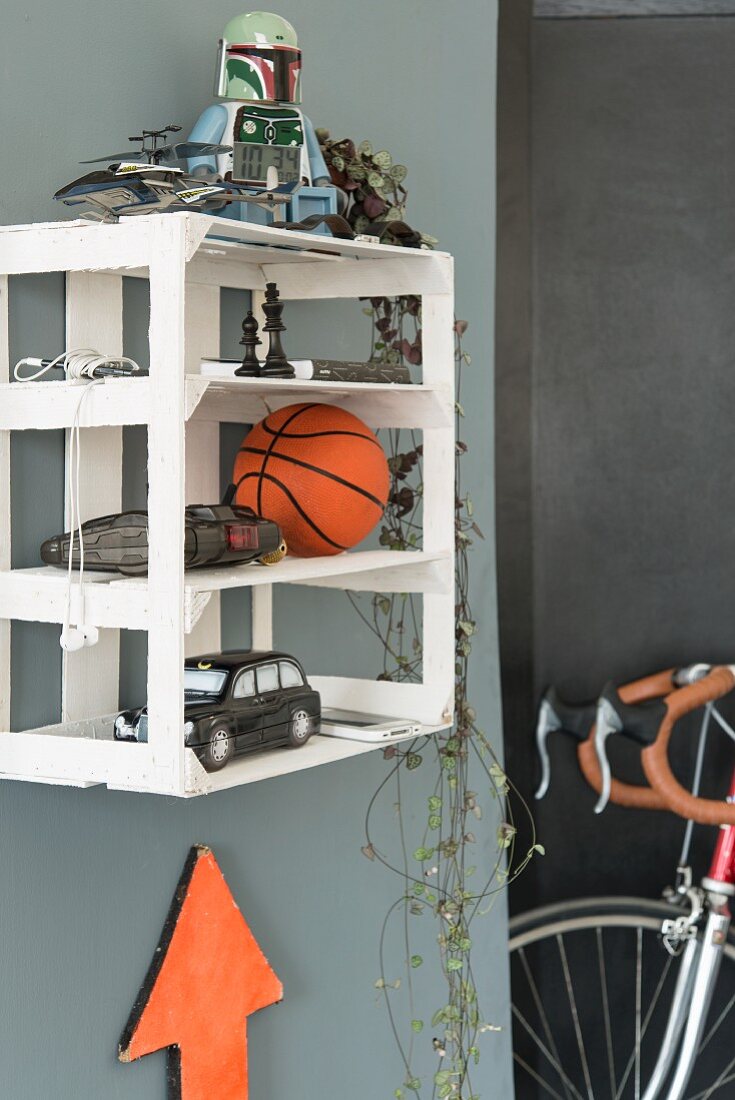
(258, 82)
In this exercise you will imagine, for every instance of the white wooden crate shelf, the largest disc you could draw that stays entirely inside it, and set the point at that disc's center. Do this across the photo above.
(39, 594)
(187, 258)
(47, 755)
(122, 401)
(222, 252)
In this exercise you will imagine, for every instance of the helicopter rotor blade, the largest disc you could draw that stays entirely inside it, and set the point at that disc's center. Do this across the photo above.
(183, 150)
(128, 154)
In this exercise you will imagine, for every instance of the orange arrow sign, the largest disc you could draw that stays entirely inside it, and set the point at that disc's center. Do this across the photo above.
(207, 976)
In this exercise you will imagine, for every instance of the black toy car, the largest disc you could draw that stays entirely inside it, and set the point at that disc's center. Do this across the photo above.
(238, 702)
(215, 534)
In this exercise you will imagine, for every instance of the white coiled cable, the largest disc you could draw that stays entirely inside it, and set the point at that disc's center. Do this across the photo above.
(79, 366)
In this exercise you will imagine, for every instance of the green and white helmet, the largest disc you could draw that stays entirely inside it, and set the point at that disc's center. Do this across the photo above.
(259, 59)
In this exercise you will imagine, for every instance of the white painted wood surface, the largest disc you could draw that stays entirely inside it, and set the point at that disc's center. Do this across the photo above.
(121, 401)
(437, 314)
(112, 601)
(74, 246)
(292, 247)
(283, 761)
(202, 337)
(261, 599)
(39, 595)
(5, 524)
(381, 405)
(350, 278)
(166, 470)
(53, 404)
(62, 759)
(169, 604)
(90, 677)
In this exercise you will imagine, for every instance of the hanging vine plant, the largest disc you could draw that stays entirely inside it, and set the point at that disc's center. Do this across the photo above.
(471, 843)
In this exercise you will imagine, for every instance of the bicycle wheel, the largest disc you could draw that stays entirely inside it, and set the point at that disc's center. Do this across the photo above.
(591, 988)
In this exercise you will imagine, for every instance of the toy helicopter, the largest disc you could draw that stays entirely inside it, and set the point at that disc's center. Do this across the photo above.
(147, 181)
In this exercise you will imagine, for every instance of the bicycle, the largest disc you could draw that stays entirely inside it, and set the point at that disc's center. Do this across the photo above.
(577, 1035)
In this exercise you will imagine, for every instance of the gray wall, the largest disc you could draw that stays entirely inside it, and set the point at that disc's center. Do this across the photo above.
(87, 875)
(630, 405)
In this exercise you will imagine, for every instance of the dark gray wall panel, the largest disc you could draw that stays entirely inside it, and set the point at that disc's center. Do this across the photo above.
(630, 9)
(633, 392)
(513, 389)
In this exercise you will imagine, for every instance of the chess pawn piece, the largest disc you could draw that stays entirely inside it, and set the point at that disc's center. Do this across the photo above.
(276, 364)
(250, 366)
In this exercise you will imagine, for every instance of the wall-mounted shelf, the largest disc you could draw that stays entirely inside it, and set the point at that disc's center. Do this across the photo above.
(122, 401)
(45, 755)
(39, 594)
(187, 258)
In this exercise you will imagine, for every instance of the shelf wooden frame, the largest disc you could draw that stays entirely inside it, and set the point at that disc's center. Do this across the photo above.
(187, 258)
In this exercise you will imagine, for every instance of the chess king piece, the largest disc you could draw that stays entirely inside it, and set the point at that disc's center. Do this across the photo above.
(250, 366)
(276, 364)
(258, 85)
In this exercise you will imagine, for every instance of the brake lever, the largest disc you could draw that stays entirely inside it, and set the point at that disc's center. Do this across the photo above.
(607, 722)
(547, 722)
(639, 721)
(554, 715)
(690, 674)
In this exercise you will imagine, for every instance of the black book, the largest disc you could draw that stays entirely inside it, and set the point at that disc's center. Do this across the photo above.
(322, 370)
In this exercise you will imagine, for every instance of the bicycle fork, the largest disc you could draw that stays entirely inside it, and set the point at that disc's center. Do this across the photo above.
(690, 1008)
(710, 957)
(697, 976)
(677, 1017)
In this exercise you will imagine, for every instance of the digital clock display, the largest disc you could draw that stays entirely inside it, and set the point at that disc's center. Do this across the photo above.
(251, 162)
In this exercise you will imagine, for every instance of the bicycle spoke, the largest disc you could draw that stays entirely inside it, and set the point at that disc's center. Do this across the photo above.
(537, 1077)
(607, 1053)
(723, 1079)
(646, 1022)
(575, 1016)
(720, 1020)
(540, 1009)
(546, 1052)
(606, 1010)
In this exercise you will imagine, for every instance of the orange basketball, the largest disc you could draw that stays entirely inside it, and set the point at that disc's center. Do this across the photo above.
(318, 472)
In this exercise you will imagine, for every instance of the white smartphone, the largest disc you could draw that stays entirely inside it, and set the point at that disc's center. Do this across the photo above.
(366, 727)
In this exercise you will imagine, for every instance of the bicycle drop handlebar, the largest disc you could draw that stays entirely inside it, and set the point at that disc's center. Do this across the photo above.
(705, 811)
(646, 712)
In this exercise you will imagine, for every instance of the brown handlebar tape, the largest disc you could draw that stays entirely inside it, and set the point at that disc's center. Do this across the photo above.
(705, 811)
(628, 794)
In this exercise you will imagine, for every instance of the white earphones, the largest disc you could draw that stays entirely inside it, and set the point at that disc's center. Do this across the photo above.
(74, 638)
(79, 366)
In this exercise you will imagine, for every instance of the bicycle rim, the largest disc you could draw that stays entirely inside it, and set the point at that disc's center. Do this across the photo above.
(592, 985)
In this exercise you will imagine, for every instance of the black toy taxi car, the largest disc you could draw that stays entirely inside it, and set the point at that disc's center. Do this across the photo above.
(237, 702)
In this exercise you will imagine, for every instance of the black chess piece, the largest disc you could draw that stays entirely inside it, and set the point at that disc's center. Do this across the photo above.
(250, 366)
(276, 364)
